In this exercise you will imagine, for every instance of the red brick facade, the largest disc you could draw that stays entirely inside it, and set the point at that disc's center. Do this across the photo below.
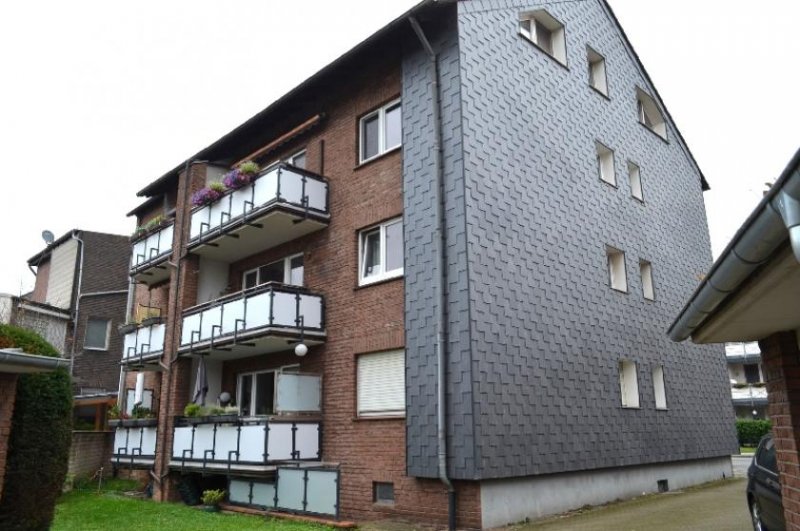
(781, 362)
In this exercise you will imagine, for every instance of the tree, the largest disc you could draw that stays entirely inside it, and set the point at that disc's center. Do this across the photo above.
(41, 433)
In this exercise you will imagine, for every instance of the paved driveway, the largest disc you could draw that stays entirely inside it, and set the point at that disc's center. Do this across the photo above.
(717, 506)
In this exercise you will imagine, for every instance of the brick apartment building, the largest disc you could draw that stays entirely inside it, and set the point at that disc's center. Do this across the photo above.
(435, 304)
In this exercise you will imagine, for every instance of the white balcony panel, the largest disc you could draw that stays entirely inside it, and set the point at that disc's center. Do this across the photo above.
(129, 345)
(226, 443)
(142, 339)
(203, 440)
(251, 443)
(120, 441)
(284, 311)
(258, 310)
(265, 189)
(292, 187)
(148, 439)
(191, 324)
(311, 310)
(241, 201)
(182, 441)
(165, 240)
(279, 445)
(157, 337)
(139, 252)
(155, 245)
(317, 192)
(211, 317)
(219, 212)
(307, 441)
(200, 218)
(233, 311)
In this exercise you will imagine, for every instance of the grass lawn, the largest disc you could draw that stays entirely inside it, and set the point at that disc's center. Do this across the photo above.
(747, 449)
(88, 510)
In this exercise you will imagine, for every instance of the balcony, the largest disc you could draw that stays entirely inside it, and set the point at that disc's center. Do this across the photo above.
(260, 320)
(150, 254)
(135, 444)
(281, 204)
(249, 446)
(749, 395)
(144, 344)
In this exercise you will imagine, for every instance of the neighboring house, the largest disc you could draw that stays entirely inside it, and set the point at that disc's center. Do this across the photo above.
(752, 293)
(77, 304)
(496, 355)
(748, 385)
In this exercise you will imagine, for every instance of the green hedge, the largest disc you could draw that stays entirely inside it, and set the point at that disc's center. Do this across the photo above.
(41, 433)
(750, 431)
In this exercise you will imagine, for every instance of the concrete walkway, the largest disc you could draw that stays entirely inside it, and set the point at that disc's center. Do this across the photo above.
(716, 506)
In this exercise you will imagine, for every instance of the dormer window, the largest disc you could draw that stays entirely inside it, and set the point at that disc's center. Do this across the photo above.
(545, 32)
(649, 114)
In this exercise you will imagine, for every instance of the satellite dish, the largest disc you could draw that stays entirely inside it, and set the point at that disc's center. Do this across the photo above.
(48, 237)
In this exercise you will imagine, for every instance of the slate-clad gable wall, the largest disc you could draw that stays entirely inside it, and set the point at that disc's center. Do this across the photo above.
(421, 269)
(547, 332)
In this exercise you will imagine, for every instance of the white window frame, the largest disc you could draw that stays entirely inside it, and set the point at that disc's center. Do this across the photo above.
(598, 77)
(382, 274)
(107, 336)
(606, 166)
(635, 181)
(617, 274)
(558, 42)
(646, 274)
(253, 388)
(659, 387)
(647, 110)
(287, 271)
(400, 410)
(628, 384)
(290, 158)
(382, 147)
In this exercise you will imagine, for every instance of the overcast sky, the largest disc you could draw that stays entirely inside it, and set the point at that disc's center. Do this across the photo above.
(99, 98)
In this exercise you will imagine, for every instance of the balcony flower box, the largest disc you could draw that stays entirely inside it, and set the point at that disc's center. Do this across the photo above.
(127, 328)
(151, 321)
(132, 423)
(208, 419)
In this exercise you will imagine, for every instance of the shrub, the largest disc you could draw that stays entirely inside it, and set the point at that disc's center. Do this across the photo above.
(213, 497)
(750, 431)
(38, 446)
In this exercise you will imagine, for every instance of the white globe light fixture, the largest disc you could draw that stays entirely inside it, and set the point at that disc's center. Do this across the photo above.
(300, 350)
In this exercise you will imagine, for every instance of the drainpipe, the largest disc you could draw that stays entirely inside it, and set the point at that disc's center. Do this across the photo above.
(441, 345)
(77, 307)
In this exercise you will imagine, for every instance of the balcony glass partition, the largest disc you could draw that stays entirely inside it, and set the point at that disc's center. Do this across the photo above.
(156, 245)
(143, 343)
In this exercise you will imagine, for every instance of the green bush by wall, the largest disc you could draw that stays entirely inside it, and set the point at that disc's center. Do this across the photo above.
(38, 448)
(750, 431)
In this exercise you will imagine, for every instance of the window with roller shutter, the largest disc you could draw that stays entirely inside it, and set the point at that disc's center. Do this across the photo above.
(381, 384)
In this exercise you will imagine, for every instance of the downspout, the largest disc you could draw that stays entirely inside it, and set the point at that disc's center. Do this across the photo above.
(77, 307)
(441, 298)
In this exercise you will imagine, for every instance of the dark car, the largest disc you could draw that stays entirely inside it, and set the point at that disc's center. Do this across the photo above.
(764, 489)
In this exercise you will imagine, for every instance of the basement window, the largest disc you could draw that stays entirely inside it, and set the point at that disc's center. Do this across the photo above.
(649, 114)
(658, 388)
(545, 32)
(605, 164)
(628, 384)
(597, 71)
(646, 272)
(635, 180)
(616, 269)
(382, 492)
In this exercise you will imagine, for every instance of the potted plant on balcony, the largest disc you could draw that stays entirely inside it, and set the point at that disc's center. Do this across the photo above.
(211, 499)
(147, 228)
(209, 194)
(241, 176)
(115, 416)
(128, 327)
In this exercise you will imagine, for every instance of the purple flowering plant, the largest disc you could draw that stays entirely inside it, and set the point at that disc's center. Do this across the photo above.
(207, 195)
(241, 176)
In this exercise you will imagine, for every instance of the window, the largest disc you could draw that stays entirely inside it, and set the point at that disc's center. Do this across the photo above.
(646, 272)
(635, 179)
(649, 114)
(628, 384)
(546, 33)
(765, 458)
(255, 393)
(96, 334)
(130, 395)
(382, 492)
(380, 131)
(658, 388)
(597, 71)
(752, 374)
(616, 269)
(380, 252)
(605, 164)
(381, 384)
(298, 159)
(288, 271)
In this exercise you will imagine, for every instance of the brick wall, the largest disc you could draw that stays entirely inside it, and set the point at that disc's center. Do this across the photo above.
(8, 395)
(99, 369)
(90, 451)
(781, 362)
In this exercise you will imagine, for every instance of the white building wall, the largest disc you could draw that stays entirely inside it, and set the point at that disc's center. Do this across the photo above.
(62, 274)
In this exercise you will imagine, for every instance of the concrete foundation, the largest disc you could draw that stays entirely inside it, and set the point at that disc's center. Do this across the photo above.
(512, 500)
